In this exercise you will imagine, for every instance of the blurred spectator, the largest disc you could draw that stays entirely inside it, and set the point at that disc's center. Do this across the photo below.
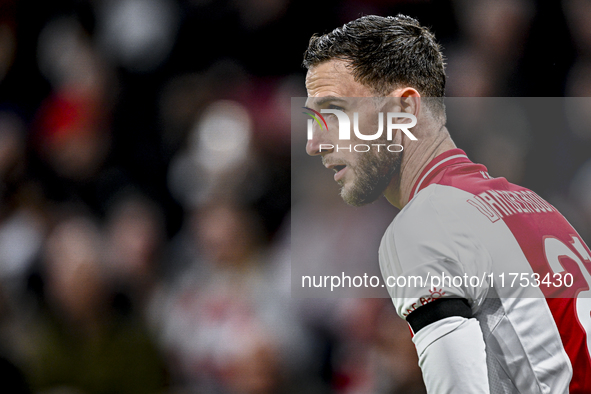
(78, 341)
(72, 136)
(134, 238)
(578, 13)
(376, 356)
(137, 34)
(185, 97)
(482, 63)
(227, 329)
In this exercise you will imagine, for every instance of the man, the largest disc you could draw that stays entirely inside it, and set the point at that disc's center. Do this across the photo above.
(456, 221)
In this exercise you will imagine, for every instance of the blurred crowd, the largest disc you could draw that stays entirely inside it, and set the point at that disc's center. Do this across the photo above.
(146, 212)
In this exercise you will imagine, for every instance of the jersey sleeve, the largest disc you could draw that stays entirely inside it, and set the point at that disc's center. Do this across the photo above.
(458, 338)
(428, 252)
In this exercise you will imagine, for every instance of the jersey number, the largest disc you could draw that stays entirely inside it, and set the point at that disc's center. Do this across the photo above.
(554, 249)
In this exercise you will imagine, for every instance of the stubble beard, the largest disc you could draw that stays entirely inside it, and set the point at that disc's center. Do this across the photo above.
(373, 173)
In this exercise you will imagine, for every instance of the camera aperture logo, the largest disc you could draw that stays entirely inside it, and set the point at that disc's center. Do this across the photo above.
(345, 129)
(316, 119)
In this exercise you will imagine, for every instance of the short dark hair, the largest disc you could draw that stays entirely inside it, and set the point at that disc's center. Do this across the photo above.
(384, 53)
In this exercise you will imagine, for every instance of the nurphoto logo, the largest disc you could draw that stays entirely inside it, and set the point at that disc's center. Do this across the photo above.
(345, 129)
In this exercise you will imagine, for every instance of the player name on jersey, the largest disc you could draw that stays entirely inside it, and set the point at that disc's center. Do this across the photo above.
(497, 204)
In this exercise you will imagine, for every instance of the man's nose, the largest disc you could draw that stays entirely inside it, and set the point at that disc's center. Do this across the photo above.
(317, 146)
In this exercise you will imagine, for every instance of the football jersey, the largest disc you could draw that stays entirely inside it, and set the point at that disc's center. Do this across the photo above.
(521, 266)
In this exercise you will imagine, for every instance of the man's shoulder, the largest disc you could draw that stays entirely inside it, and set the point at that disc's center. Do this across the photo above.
(429, 223)
(432, 204)
(441, 221)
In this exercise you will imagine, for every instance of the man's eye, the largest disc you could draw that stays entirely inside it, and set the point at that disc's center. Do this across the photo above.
(332, 106)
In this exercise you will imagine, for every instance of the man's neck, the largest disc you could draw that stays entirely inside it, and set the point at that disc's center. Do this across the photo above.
(414, 160)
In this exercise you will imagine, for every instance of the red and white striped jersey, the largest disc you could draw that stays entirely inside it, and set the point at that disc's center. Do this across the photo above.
(525, 273)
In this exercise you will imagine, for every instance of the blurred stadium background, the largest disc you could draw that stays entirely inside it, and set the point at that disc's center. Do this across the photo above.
(145, 183)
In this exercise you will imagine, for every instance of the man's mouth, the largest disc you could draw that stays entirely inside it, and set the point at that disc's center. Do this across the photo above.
(339, 168)
(340, 171)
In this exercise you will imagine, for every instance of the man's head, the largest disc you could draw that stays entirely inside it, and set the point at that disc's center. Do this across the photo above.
(373, 56)
(383, 53)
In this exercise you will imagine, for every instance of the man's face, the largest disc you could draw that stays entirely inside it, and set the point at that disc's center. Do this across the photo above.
(363, 176)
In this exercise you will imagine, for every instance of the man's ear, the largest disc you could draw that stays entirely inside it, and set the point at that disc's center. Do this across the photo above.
(406, 100)
(410, 101)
